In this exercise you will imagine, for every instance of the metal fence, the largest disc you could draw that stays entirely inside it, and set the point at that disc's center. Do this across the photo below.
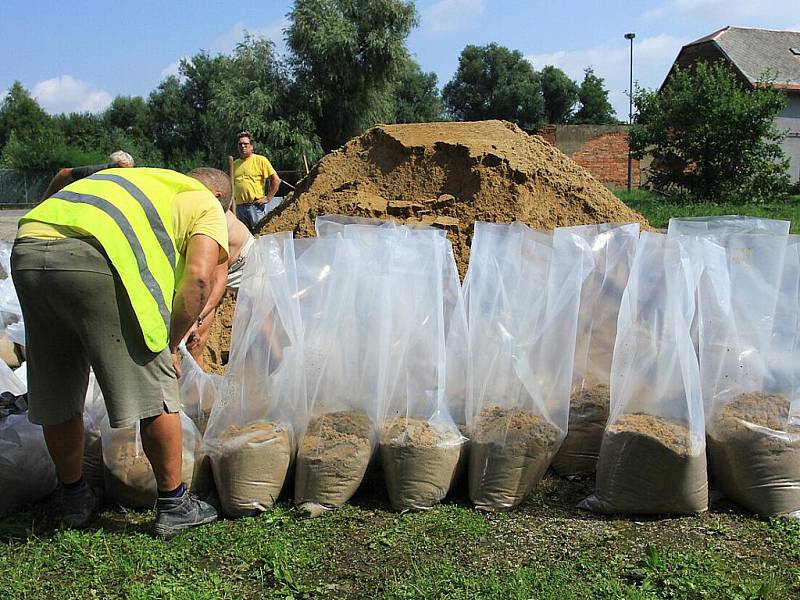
(22, 187)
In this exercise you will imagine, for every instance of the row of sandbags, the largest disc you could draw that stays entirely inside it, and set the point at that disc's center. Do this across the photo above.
(359, 347)
(565, 347)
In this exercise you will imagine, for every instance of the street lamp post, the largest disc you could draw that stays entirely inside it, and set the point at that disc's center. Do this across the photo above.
(630, 36)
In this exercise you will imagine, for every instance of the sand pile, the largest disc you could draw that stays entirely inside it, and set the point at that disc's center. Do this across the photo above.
(215, 355)
(509, 452)
(250, 463)
(647, 466)
(420, 461)
(450, 175)
(588, 414)
(755, 453)
(332, 459)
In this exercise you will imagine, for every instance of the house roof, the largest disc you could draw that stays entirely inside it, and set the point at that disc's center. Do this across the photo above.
(757, 52)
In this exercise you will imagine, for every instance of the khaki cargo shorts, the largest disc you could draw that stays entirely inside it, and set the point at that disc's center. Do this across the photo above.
(77, 314)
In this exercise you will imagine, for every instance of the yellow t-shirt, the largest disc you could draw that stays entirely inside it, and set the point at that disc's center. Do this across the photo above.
(193, 212)
(249, 177)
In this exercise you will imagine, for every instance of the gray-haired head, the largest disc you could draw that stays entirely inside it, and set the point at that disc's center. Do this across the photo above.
(121, 158)
(216, 181)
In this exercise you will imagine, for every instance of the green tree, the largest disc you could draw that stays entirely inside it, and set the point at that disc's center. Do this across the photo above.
(711, 138)
(416, 97)
(593, 98)
(29, 137)
(560, 94)
(493, 82)
(345, 56)
(257, 95)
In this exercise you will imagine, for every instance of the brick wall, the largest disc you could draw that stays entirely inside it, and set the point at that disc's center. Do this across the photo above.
(606, 157)
(600, 149)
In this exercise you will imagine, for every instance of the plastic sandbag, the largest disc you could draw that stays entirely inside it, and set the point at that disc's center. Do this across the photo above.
(420, 444)
(199, 390)
(340, 363)
(750, 369)
(250, 435)
(27, 474)
(652, 460)
(129, 479)
(613, 248)
(522, 291)
(95, 418)
(725, 225)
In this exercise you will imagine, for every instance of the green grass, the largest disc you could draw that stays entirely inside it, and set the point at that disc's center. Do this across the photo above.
(658, 209)
(544, 549)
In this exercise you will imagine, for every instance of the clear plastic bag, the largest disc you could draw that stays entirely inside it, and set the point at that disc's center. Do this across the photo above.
(250, 435)
(95, 418)
(750, 368)
(522, 291)
(129, 479)
(420, 444)
(652, 459)
(340, 362)
(27, 474)
(726, 224)
(199, 390)
(613, 247)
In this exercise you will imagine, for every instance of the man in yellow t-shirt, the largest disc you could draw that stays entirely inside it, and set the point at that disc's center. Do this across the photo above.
(250, 174)
(79, 312)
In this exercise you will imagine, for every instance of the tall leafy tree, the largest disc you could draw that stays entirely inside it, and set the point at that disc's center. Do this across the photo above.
(493, 82)
(711, 138)
(416, 97)
(345, 56)
(593, 98)
(560, 94)
(256, 95)
(28, 135)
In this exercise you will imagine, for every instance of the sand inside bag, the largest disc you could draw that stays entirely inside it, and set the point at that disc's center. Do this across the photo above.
(249, 464)
(755, 453)
(510, 451)
(332, 459)
(420, 461)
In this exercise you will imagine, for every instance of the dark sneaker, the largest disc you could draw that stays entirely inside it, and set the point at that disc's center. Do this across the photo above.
(77, 506)
(174, 515)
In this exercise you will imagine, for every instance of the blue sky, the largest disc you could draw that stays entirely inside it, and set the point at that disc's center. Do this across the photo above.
(78, 56)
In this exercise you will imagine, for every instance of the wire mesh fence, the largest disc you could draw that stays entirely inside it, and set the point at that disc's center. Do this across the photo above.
(19, 187)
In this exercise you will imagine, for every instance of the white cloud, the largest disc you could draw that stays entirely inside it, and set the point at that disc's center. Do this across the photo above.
(227, 41)
(447, 16)
(3, 95)
(172, 68)
(728, 12)
(67, 94)
(652, 58)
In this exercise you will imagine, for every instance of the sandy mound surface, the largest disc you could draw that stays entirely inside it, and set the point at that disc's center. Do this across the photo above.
(448, 175)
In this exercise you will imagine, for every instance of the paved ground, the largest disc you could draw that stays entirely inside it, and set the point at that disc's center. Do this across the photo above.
(8, 223)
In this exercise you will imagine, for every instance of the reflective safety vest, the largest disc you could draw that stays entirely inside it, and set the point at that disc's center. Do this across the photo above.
(129, 212)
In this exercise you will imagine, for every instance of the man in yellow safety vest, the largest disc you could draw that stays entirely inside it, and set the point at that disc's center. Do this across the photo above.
(111, 272)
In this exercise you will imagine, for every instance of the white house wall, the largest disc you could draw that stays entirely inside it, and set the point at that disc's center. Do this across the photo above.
(789, 120)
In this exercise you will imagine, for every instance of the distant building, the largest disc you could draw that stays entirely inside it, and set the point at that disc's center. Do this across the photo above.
(752, 54)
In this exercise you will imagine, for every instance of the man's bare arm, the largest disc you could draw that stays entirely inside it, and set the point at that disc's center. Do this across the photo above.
(217, 289)
(195, 287)
(61, 180)
(274, 184)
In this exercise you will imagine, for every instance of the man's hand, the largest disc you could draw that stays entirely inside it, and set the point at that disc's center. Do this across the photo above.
(261, 201)
(176, 362)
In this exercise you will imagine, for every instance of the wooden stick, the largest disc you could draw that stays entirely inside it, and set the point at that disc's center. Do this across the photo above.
(230, 169)
(305, 162)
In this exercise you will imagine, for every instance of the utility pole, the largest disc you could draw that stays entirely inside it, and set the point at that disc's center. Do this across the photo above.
(630, 36)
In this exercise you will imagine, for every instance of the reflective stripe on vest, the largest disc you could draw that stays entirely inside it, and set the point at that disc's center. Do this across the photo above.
(155, 220)
(125, 227)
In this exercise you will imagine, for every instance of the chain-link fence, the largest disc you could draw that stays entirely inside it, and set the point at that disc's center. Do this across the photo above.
(22, 187)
